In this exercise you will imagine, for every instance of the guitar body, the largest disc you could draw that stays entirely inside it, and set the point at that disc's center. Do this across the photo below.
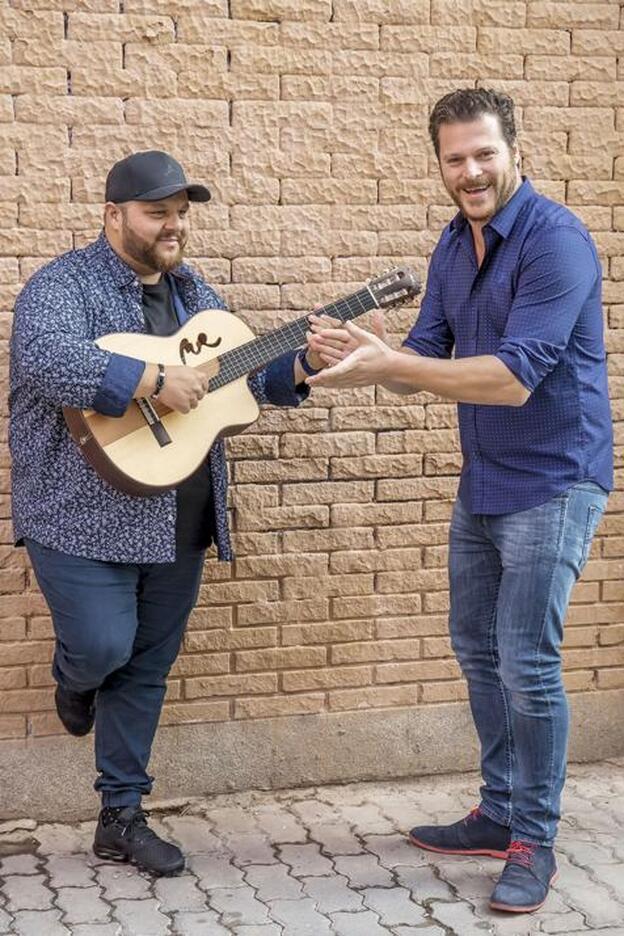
(125, 451)
(152, 448)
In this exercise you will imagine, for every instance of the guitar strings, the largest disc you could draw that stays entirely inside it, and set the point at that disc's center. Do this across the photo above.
(260, 351)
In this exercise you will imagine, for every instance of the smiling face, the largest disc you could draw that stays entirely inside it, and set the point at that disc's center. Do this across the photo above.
(149, 236)
(479, 169)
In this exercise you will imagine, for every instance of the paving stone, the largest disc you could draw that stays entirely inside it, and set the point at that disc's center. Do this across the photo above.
(299, 918)
(561, 922)
(586, 854)
(366, 820)
(394, 850)
(198, 923)
(244, 871)
(423, 884)
(232, 819)
(273, 882)
(459, 918)
(69, 871)
(19, 864)
(179, 893)
(83, 905)
(305, 860)
(269, 930)
(467, 877)
(332, 894)
(97, 929)
(587, 815)
(314, 812)
(57, 839)
(351, 794)
(337, 839)
(609, 931)
(250, 849)
(613, 877)
(357, 924)
(238, 905)
(419, 931)
(363, 871)
(193, 834)
(26, 892)
(588, 896)
(280, 825)
(393, 906)
(35, 923)
(122, 882)
(215, 871)
(141, 916)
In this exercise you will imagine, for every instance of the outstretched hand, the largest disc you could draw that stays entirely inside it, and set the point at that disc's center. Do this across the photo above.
(354, 357)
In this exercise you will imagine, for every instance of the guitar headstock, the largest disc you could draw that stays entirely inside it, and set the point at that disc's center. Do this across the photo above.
(394, 286)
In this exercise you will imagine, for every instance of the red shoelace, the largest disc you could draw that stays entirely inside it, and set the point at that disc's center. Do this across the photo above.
(521, 853)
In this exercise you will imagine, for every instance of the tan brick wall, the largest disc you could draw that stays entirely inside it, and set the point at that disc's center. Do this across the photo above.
(308, 120)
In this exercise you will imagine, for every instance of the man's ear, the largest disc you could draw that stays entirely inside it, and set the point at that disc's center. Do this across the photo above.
(112, 215)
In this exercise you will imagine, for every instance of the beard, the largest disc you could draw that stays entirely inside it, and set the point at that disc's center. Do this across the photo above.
(147, 253)
(502, 186)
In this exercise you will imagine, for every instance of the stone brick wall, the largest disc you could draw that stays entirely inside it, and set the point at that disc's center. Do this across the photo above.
(308, 120)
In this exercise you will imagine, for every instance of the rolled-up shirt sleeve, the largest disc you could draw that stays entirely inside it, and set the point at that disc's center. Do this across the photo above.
(557, 275)
(431, 334)
(51, 353)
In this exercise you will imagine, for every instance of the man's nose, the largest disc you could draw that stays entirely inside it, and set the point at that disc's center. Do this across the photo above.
(174, 224)
(472, 168)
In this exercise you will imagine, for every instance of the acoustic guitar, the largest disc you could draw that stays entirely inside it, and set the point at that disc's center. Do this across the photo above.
(152, 448)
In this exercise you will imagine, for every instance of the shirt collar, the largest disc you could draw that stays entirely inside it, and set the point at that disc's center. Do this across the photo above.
(123, 274)
(504, 220)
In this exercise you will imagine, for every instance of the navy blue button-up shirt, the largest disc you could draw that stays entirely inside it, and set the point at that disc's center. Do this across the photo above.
(535, 303)
(58, 499)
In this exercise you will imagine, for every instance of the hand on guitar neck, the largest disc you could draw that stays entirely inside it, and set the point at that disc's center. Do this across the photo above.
(182, 390)
(184, 386)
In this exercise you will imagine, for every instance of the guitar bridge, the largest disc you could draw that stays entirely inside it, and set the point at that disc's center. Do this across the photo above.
(154, 421)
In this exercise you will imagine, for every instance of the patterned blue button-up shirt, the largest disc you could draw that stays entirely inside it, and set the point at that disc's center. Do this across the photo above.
(535, 303)
(58, 499)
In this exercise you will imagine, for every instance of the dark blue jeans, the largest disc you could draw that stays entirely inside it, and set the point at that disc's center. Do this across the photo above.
(118, 630)
(511, 577)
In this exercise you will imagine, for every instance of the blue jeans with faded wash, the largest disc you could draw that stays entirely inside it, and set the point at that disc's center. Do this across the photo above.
(511, 576)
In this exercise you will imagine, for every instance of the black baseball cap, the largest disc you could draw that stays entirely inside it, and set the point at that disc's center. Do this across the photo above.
(150, 176)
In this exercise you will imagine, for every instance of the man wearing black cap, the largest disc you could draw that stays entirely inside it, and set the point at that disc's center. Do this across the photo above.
(120, 573)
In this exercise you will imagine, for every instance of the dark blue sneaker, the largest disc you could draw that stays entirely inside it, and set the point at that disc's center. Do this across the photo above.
(475, 834)
(524, 884)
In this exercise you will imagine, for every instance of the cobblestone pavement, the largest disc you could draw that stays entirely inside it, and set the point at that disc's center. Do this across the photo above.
(314, 862)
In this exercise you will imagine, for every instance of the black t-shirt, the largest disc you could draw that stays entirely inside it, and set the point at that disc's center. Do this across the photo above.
(195, 524)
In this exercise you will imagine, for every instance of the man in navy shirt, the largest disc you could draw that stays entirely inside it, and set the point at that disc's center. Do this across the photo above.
(513, 292)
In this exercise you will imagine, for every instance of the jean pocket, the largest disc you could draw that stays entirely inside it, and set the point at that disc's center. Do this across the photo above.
(593, 519)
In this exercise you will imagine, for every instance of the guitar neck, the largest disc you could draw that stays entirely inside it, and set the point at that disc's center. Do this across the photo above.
(261, 351)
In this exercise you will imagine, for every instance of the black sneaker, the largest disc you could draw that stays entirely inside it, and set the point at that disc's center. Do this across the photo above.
(524, 884)
(76, 710)
(475, 834)
(122, 834)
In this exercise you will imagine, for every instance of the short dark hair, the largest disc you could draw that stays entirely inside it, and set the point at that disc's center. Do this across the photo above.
(467, 104)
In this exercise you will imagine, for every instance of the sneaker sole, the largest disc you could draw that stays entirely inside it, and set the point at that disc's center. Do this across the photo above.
(490, 852)
(109, 854)
(510, 908)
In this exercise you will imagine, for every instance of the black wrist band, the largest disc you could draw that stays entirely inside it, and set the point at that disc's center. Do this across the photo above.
(310, 371)
(160, 382)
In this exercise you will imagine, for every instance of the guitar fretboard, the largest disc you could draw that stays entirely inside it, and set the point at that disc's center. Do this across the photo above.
(261, 351)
